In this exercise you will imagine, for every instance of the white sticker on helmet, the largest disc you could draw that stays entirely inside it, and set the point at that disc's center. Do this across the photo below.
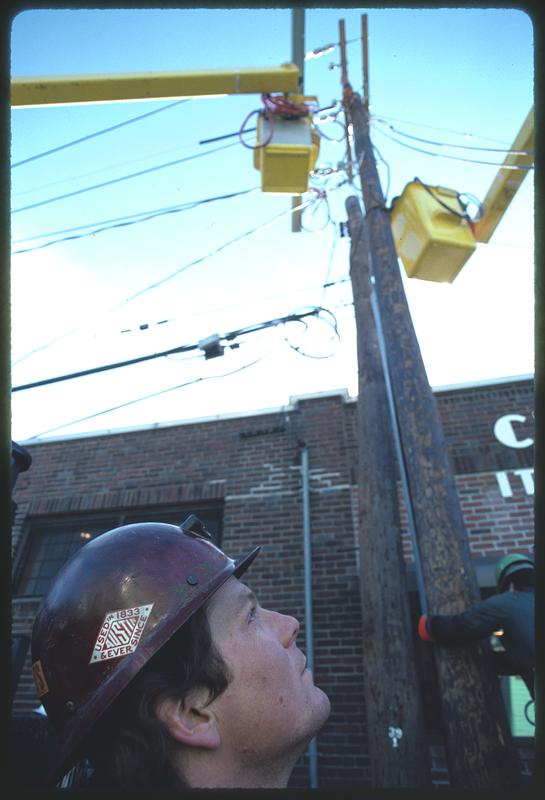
(120, 633)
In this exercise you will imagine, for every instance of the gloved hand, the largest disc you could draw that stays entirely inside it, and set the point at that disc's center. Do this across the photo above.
(423, 631)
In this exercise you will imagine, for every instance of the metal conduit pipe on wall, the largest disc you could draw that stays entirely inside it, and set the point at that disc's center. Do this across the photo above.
(309, 632)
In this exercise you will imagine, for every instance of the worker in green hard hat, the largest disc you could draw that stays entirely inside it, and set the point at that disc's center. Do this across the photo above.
(512, 610)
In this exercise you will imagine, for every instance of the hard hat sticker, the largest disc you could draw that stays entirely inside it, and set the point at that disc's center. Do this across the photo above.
(39, 678)
(120, 633)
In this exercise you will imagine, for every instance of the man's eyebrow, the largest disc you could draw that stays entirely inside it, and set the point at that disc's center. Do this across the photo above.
(246, 597)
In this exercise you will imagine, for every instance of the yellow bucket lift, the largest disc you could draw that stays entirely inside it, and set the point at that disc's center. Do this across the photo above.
(286, 155)
(432, 234)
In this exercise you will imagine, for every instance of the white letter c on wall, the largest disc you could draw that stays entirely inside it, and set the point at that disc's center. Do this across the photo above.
(504, 433)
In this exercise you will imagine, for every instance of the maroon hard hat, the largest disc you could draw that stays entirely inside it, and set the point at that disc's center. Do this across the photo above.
(111, 607)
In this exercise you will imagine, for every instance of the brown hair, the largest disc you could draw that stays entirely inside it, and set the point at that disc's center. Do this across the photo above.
(129, 747)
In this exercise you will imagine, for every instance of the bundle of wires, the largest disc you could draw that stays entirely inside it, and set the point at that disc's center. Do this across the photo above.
(273, 104)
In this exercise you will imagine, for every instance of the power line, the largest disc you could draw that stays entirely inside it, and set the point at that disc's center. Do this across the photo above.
(214, 252)
(456, 146)
(465, 134)
(172, 275)
(107, 168)
(332, 324)
(252, 301)
(456, 158)
(325, 284)
(137, 214)
(181, 349)
(248, 130)
(226, 136)
(146, 397)
(122, 178)
(129, 221)
(99, 133)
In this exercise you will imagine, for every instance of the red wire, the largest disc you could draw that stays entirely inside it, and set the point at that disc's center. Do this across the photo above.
(280, 105)
(273, 105)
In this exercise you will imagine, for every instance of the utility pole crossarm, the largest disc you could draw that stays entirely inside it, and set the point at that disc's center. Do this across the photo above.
(79, 89)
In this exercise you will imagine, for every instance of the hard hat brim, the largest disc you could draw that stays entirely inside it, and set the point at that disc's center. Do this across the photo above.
(511, 569)
(243, 562)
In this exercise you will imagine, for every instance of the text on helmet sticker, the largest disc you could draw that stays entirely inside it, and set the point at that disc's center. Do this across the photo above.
(120, 632)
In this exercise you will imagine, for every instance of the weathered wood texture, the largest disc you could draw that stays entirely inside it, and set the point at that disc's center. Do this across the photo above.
(480, 752)
(392, 693)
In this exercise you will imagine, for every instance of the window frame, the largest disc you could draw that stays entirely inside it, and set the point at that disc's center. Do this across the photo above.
(211, 513)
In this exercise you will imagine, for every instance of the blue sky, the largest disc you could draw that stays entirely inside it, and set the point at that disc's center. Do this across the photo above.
(450, 76)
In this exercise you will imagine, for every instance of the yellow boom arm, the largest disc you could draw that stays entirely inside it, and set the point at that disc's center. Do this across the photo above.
(77, 89)
(507, 181)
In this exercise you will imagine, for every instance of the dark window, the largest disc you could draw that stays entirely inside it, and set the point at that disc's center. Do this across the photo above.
(51, 542)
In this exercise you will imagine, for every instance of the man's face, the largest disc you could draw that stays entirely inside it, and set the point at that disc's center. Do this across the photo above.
(271, 708)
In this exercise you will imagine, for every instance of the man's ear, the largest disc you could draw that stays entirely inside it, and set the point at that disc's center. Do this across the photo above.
(188, 720)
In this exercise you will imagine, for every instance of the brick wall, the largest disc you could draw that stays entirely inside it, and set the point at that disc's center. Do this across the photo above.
(251, 466)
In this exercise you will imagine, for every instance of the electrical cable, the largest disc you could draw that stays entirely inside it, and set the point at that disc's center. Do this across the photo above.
(388, 172)
(243, 130)
(146, 397)
(94, 370)
(332, 324)
(172, 275)
(136, 215)
(321, 202)
(444, 130)
(446, 206)
(274, 105)
(180, 349)
(214, 252)
(252, 301)
(457, 158)
(122, 178)
(246, 130)
(278, 104)
(190, 204)
(99, 133)
(226, 135)
(330, 262)
(163, 212)
(120, 165)
(457, 146)
(322, 135)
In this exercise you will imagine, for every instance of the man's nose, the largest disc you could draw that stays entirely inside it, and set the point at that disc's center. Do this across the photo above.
(289, 629)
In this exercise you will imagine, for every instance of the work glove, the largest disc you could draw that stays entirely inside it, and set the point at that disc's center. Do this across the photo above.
(423, 630)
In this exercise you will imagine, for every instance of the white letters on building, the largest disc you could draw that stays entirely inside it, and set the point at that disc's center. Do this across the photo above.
(504, 433)
(526, 477)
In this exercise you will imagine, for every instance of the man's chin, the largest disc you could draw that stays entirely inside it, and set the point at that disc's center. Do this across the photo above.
(323, 710)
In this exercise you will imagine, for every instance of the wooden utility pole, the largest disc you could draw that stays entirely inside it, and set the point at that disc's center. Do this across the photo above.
(395, 721)
(479, 749)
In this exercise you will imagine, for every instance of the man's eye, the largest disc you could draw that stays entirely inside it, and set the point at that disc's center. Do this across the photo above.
(252, 614)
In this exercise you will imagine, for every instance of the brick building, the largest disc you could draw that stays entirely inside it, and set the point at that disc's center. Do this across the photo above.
(242, 474)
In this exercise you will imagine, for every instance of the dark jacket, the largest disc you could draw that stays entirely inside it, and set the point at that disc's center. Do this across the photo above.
(512, 612)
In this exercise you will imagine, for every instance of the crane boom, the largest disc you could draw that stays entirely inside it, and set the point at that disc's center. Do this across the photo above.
(507, 181)
(78, 89)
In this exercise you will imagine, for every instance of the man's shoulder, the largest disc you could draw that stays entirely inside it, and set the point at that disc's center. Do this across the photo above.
(510, 599)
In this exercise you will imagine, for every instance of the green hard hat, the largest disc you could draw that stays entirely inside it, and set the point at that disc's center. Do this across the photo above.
(509, 564)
